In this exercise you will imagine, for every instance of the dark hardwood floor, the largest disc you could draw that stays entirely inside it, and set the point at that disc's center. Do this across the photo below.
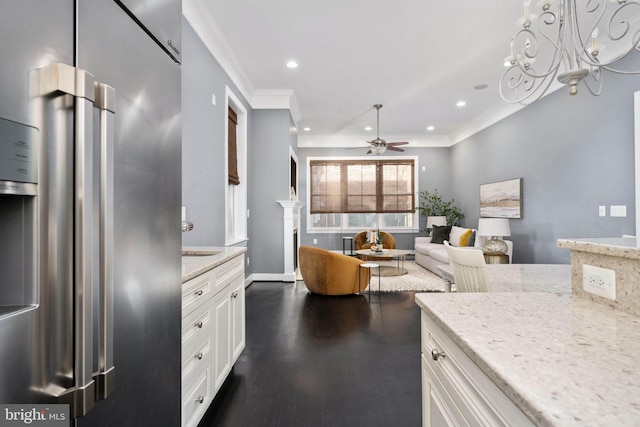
(324, 361)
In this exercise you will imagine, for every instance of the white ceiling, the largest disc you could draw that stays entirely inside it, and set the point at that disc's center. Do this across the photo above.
(416, 57)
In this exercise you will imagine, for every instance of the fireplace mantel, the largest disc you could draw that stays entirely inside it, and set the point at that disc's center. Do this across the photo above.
(291, 219)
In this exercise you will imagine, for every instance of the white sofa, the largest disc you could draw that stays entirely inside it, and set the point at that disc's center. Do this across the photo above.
(431, 255)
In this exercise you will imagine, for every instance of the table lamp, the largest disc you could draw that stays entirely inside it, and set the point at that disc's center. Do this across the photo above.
(435, 220)
(495, 228)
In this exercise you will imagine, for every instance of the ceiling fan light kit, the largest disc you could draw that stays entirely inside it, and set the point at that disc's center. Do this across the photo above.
(565, 44)
(379, 145)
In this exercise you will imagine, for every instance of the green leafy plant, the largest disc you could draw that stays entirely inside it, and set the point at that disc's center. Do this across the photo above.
(431, 204)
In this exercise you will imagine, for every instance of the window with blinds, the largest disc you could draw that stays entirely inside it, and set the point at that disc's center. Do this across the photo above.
(362, 186)
(232, 148)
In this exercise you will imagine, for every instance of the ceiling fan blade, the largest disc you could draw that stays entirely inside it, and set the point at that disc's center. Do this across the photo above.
(392, 148)
(369, 152)
(355, 148)
(396, 143)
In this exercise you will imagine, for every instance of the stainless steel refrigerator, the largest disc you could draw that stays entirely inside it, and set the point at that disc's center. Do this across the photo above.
(90, 189)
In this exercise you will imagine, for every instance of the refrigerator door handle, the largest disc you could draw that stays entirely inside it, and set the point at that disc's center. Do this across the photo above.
(52, 80)
(105, 377)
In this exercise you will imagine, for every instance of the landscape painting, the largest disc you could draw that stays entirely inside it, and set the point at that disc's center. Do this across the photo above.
(501, 199)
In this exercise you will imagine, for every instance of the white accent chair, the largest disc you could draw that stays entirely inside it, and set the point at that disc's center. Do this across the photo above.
(469, 269)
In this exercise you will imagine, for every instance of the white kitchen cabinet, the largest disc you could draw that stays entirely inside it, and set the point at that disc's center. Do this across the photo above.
(213, 334)
(455, 392)
(229, 331)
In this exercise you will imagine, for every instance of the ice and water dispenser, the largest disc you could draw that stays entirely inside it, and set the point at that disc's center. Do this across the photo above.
(18, 216)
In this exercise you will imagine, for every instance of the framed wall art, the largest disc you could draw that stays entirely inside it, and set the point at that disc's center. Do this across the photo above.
(501, 199)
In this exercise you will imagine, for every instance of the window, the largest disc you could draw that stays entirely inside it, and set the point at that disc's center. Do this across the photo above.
(236, 170)
(362, 186)
(232, 149)
(354, 193)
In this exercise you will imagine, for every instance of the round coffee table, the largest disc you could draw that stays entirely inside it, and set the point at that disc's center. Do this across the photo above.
(397, 254)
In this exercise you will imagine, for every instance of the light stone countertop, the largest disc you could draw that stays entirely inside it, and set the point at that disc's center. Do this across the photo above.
(525, 277)
(624, 247)
(194, 263)
(563, 360)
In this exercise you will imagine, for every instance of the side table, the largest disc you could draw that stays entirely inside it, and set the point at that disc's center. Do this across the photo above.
(345, 240)
(496, 259)
(369, 266)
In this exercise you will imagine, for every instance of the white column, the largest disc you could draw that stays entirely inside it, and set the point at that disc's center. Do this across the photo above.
(291, 223)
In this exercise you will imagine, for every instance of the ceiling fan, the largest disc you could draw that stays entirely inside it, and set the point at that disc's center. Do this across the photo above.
(379, 145)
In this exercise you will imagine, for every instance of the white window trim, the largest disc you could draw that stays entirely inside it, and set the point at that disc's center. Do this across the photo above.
(332, 230)
(239, 208)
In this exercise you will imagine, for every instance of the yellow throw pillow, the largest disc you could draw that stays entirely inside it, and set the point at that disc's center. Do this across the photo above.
(464, 238)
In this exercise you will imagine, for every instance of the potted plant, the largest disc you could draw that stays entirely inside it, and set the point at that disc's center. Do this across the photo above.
(431, 204)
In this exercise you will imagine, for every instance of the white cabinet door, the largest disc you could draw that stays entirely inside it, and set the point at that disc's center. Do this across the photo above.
(438, 410)
(221, 338)
(237, 318)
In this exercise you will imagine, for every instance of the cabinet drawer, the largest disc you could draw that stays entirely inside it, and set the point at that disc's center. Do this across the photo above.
(196, 329)
(225, 273)
(462, 382)
(196, 399)
(439, 409)
(196, 291)
(196, 359)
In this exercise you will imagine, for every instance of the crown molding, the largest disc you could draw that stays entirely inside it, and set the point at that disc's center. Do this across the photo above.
(206, 27)
(277, 99)
(355, 141)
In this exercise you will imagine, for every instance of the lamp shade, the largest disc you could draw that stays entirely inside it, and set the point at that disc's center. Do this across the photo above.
(436, 220)
(494, 227)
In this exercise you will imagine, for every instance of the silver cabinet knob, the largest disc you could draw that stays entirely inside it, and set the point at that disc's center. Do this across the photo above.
(200, 399)
(199, 356)
(435, 354)
(235, 294)
(198, 293)
(198, 325)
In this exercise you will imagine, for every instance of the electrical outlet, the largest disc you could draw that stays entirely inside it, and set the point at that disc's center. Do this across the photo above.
(599, 281)
(315, 241)
(248, 261)
(602, 210)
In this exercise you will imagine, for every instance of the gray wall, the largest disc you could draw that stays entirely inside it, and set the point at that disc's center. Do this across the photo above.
(271, 133)
(203, 141)
(436, 176)
(573, 153)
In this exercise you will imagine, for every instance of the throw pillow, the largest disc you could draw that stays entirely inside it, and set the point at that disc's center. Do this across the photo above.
(472, 239)
(464, 239)
(455, 235)
(440, 233)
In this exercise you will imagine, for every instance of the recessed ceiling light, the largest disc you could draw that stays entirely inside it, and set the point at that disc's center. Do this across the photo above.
(461, 103)
(480, 87)
(292, 64)
(307, 129)
(368, 128)
(430, 128)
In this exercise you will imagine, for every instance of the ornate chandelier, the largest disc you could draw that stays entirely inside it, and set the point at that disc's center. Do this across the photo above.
(566, 43)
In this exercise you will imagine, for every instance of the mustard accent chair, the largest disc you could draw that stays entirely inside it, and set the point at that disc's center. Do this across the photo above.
(388, 242)
(330, 273)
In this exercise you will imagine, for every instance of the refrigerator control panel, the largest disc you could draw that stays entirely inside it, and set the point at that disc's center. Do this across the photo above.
(18, 152)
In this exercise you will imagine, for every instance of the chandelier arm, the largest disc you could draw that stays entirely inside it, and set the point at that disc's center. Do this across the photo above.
(597, 78)
(580, 46)
(575, 54)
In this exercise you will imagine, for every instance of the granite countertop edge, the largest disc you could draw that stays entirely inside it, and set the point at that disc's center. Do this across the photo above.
(194, 266)
(554, 372)
(502, 383)
(618, 247)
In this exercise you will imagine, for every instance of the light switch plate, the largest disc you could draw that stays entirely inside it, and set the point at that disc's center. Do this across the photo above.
(618, 210)
(602, 210)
